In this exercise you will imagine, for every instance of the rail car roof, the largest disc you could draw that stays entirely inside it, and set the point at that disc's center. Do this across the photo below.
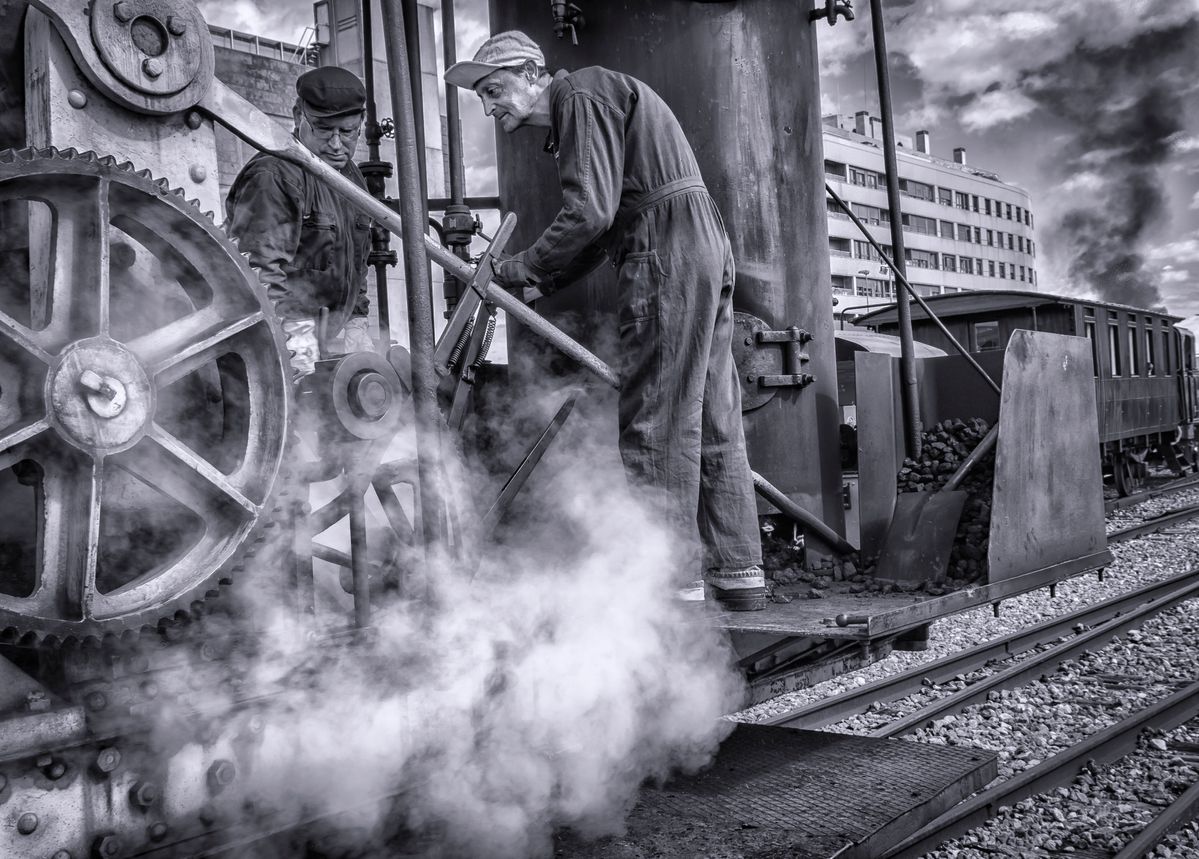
(885, 344)
(978, 301)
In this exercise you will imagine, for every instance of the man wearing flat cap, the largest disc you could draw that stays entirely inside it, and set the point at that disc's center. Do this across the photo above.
(632, 193)
(308, 244)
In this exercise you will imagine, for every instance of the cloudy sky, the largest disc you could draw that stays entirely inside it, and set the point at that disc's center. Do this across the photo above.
(1091, 105)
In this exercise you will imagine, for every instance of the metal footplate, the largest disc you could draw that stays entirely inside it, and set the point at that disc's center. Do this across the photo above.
(807, 795)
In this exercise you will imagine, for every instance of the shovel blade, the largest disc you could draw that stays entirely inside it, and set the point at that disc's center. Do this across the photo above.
(921, 536)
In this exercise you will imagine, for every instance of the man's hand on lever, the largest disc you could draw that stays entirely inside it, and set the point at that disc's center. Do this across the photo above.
(515, 276)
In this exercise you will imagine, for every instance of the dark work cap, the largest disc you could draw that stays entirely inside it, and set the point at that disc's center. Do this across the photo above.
(331, 91)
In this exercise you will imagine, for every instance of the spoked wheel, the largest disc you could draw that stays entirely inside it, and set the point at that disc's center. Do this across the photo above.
(1129, 474)
(143, 399)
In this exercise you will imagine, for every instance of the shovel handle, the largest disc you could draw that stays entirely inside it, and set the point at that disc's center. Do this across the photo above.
(981, 449)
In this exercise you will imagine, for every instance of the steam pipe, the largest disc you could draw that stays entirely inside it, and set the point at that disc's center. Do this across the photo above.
(412, 40)
(452, 120)
(907, 361)
(808, 520)
(375, 184)
(421, 339)
(903, 281)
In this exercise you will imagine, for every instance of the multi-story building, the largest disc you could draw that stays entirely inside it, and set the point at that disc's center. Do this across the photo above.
(964, 228)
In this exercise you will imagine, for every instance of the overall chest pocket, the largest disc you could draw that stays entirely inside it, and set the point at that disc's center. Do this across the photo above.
(318, 243)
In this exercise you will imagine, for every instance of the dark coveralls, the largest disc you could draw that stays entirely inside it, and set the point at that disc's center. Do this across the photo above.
(309, 244)
(632, 189)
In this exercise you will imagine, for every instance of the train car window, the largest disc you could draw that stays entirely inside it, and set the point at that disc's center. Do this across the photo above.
(1150, 351)
(1088, 327)
(986, 336)
(1113, 345)
(1167, 353)
(1134, 350)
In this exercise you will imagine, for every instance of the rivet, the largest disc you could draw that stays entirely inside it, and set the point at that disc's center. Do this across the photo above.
(157, 831)
(152, 66)
(27, 823)
(77, 98)
(56, 771)
(177, 25)
(749, 341)
(198, 173)
(193, 119)
(123, 12)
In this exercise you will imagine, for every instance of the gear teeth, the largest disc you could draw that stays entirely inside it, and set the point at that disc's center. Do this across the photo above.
(108, 161)
(146, 174)
(69, 153)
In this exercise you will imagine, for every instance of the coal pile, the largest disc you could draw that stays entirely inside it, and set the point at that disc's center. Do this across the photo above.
(943, 449)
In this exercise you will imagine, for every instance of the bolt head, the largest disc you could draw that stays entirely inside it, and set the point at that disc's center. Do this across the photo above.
(56, 771)
(221, 775)
(107, 847)
(157, 831)
(61, 854)
(27, 823)
(152, 66)
(108, 760)
(176, 25)
(96, 701)
(143, 794)
(77, 99)
(123, 12)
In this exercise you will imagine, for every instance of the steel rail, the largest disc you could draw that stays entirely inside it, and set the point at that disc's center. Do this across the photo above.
(1177, 814)
(1149, 494)
(889, 689)
(1173, 517)
(1018, 674)
(1103, 747)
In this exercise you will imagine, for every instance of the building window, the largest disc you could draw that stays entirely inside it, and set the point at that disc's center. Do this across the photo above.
(986, 205)
(986, 336)
(1011, 243)
(921, 259)
(1032, 251)
(835, 211)
(1030, 223)
(1008, 211)
(963, 232)
(871, 214)
(864, 250)
(947, 230)
(919, 190)
(1018, 218)
(990, 268)
(834, 168)
(974, 202)
(978, 235)
(990, 238)
(962, 201)
(945, 196)
(842, 282)
(1022, 274)
(967, 265)
(1002, 271)
(1020, 243)
(917, 224)
(865, 178)
(838, 247)
(949, 262)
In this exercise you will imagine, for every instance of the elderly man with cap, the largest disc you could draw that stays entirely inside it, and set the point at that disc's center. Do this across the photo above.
(309, 245)
(632, 192)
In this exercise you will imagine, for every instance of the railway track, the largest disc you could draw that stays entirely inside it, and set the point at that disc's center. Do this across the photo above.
(1179, 485)
(1154, 524)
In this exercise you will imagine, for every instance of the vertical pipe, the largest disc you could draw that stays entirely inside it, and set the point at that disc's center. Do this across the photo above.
(359, 566)
(421, 340)
(452, 119)
(907, 362)
(375, 182)
(411, 11)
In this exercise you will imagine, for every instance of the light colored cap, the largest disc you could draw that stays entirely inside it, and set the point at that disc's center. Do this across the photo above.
(502, 51)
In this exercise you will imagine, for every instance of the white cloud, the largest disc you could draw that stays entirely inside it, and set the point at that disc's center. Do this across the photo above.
(1182, 251)
(1175, 275)
(1195, 202)
(995, 108)
(271, 20)
(1182, 144)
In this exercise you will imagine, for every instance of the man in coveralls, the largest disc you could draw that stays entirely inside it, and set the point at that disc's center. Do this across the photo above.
(308, 244)
(632, 191)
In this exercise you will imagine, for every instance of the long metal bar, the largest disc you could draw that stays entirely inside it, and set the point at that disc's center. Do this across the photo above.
(248, 123)
(903, 281)
(375, 185)
(421, 338)
(909, 396)
(411, 12)
(452, 120)
(830, 710)
(1105, 746)
(808, 520)
(359, 565)
(1173, 517)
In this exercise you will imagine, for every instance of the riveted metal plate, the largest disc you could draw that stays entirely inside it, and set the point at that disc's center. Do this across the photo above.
(753, 361)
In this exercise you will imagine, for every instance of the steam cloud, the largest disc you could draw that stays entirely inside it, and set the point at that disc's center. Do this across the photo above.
(539, 695)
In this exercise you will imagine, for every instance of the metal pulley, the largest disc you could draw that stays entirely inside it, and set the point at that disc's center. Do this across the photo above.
(363, 390)
(767, 359)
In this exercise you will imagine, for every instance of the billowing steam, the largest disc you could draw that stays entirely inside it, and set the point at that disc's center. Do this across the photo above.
(538, 695)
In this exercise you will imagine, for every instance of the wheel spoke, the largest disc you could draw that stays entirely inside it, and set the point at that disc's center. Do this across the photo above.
(167, 464)
(171, 352)
(27, 339)
(72, 495)
(13, 440)
(79, 296)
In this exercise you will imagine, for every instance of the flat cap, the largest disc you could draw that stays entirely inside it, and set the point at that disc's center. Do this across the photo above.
(502, 51)
(331, 91)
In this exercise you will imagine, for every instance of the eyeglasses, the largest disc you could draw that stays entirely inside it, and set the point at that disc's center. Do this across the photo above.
(327, 134)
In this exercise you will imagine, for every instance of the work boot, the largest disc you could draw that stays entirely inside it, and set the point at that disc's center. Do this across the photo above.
(737, 590)
(691, 593)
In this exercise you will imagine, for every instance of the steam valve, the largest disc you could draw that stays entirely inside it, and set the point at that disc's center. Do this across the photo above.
(567, 17)
(832, 9)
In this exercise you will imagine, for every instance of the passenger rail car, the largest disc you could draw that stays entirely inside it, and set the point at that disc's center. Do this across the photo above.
(1147, 393)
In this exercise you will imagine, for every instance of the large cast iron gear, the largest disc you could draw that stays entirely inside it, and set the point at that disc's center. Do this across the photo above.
(144, 399)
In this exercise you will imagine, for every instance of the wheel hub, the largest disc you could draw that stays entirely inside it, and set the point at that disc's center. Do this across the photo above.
(99, 396)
